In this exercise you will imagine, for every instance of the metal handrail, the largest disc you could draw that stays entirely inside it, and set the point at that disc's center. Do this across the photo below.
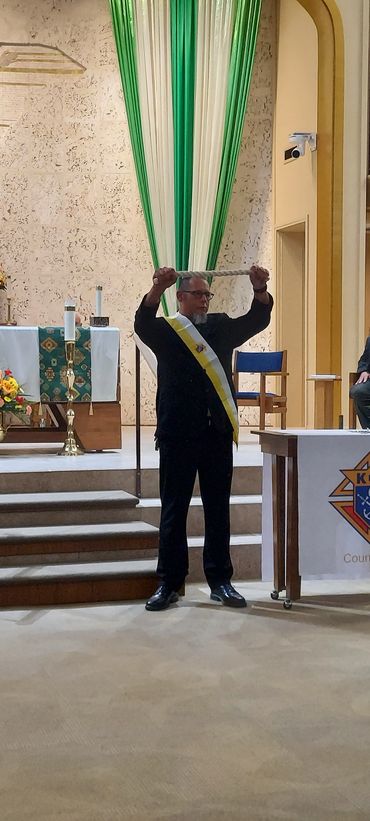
(137, 424)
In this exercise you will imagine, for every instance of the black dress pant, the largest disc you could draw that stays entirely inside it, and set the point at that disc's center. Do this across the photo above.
(361, 396)
(211, 455)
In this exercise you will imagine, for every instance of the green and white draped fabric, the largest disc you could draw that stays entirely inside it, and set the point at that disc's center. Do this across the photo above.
(186, 67)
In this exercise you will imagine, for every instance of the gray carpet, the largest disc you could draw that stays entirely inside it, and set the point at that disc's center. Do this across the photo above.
(111, 713)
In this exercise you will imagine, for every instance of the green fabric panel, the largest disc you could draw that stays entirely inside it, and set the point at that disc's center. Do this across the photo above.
(183, 14)
(124, 33)
(241, 64)
(53, 366)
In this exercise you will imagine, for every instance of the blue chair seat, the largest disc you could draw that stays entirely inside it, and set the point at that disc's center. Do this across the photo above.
(252, 394)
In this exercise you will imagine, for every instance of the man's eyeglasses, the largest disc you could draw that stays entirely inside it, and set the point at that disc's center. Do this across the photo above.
(208, 295)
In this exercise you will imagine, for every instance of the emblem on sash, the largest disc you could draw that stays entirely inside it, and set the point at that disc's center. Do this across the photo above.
(354, 493)
(210, 363)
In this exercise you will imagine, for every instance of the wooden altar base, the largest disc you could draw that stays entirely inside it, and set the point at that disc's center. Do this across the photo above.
(96, 430)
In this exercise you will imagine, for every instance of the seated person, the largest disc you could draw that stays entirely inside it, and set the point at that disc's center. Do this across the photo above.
(360, 392)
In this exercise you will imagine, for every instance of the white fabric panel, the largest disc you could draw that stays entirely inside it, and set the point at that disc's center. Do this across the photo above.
(152, 23)
(330, 547)
(19, 351)
(149, 356)
(213, 56)
(104, 364)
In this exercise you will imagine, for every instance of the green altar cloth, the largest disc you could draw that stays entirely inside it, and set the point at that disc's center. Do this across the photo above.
(53, 366)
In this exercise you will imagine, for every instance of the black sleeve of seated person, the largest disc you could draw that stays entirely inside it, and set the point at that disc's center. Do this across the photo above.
(364, 361)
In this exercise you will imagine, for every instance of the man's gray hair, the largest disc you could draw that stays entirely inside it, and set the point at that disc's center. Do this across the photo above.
(184, 280)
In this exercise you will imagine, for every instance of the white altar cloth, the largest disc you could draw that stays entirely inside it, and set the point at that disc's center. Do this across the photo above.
(19, 351)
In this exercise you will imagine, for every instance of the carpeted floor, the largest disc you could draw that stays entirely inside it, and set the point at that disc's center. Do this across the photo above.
(112, 713)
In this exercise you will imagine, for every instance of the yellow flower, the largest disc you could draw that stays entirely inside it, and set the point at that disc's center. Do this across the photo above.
(10, 386)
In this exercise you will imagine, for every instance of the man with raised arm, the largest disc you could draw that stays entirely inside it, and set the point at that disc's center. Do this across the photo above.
(197, 420)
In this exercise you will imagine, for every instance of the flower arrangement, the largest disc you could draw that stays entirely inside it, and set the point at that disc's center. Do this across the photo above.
(12, 398)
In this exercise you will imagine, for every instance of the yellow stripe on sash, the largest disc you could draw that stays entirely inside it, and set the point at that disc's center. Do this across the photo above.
(210, 362)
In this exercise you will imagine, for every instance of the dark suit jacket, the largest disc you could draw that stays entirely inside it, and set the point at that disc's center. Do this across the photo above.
(364, 361)
(185, 395)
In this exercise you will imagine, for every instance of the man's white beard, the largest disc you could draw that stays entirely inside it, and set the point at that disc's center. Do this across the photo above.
(199, 319)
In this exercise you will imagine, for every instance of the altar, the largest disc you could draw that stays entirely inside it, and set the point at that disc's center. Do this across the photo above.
(97, 408)
(316, 507)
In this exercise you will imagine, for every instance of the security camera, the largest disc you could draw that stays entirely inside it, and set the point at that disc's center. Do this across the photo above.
(298, 151)
(300, 138)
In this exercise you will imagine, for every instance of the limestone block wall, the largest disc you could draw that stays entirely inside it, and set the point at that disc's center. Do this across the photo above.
(70, 211)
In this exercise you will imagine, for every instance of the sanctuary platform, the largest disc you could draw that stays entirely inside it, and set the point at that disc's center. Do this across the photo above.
(75, 525)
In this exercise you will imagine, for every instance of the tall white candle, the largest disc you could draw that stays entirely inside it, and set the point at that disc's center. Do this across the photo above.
(69, 321)
(98, 300)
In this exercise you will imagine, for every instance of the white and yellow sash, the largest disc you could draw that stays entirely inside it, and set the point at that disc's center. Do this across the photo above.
(209, 361)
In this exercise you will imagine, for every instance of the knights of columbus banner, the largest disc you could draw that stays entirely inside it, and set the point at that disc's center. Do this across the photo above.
(333, 506)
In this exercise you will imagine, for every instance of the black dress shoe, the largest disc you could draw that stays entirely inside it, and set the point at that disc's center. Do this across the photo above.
(227, 594)
(162, 598)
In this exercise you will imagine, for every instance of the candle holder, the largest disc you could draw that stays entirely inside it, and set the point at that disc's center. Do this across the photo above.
(9, 320)
(99, 321)
(70, 447)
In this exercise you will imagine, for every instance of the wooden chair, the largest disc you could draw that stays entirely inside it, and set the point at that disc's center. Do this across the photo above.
(269, 363)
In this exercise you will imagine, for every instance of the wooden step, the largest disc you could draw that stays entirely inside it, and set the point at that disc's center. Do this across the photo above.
(67, 508)
(245, 514)
(23, 541)
(39, 478)
(85, 584)
(245, 550)
(17, 501)
(245, 553)
(246, 479)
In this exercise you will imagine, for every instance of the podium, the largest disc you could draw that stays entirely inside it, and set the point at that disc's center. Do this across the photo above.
(97, 423)
(315, 507)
